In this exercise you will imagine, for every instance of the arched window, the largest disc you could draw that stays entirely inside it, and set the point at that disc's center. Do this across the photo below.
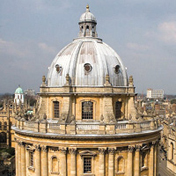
(5, 125)
(120, 164)
(118, 106)
(87, 110)
(55, 164)
(172, 151)
(56, 109)
(87, 29)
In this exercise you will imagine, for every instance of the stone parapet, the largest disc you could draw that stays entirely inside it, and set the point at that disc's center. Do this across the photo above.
(96, 128)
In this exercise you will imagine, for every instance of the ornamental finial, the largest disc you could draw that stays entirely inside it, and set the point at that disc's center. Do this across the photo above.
(87, 7)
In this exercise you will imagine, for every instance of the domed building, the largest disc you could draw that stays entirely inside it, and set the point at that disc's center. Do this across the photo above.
(86, 123)
(19, 96)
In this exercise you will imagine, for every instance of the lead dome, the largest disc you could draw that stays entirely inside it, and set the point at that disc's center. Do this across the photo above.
(87, 60)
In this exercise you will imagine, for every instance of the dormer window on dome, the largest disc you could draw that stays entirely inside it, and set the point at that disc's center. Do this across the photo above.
(87, 67)
(87, 24)
(58, 68)
(117, 69)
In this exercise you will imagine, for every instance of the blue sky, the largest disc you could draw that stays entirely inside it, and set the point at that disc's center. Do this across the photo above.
(142, 32)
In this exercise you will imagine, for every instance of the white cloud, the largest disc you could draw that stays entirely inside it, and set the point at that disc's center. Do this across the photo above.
(167, 31)
(47, 48)
(135, 46)
(11, 48)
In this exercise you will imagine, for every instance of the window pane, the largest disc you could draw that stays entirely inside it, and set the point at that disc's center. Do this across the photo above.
(56, 109)
(87, 110)
(87, 165)
(118, 109)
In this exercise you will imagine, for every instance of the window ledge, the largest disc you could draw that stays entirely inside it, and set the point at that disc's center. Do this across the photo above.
(118, 173)
(88, 174)
(55, 173)
(31, 168)
(144, 168)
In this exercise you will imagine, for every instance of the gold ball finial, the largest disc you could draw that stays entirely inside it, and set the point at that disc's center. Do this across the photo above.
(87, 7)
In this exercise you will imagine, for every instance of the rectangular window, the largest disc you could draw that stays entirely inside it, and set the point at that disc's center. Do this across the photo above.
(31, 160)
(87, 110)
(87, 165)
(56, 109)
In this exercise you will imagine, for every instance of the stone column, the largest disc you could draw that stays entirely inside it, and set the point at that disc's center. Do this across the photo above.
(44, 161)
(101, 161)
(130, 161)
(111, 162)
(73, 161)
(19, 159)
(23, 160)
(37, 160)
(137, 163)
(63, 153)
(155, 159)
(27, 157)
(16, 155)
(151, 160)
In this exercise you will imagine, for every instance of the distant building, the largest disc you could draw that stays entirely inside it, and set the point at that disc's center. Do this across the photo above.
(29, 92)
(155, 93)
(19, 96)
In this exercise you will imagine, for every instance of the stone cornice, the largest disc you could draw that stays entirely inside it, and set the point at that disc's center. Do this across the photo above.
(85, 136)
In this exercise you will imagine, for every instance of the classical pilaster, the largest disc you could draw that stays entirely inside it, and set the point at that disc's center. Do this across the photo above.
(130, 161)
(27, 156)
(155, 157)
(23, 159)
(72, 152)
(151, 160)
(137, 161)
(63, 156)
(101, 161)
(111, 161)
(16, 155)
(44, 160)
(19, 158)
(37, 160)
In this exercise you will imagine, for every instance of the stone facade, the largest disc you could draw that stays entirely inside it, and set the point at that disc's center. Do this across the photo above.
(87, 130)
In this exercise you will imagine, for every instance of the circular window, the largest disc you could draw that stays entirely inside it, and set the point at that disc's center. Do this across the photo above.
(87, 67)
(58, 68)
(116, 69)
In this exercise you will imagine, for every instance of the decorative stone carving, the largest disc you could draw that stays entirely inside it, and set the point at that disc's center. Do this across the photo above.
(101, 150)
(107, 78)
(37, 147)
(67, 80)
(111, 151)
(130, 148)
(138, 148)
(43, 80)
(63, 150)
(72, 150)
(44, 148)
(87, 153)
(131, 81)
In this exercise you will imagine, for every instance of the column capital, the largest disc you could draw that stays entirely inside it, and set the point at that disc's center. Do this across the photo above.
(21, 143)
(130, 148)
(111, 151)
(73, 150)
(102, 150)
(138, 148)
(44, 148)
(63, 150)
(37, 147)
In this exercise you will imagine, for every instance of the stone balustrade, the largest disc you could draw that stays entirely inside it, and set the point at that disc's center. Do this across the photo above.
(49, 126)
